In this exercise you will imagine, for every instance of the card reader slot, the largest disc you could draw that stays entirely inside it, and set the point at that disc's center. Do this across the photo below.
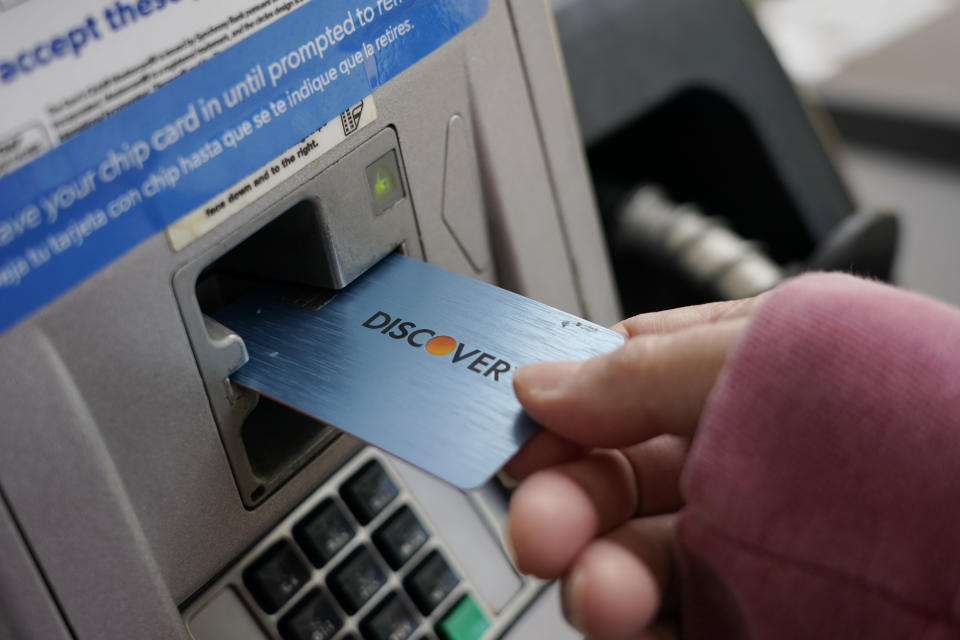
(274, 437)
(314, 240)
(277, 437)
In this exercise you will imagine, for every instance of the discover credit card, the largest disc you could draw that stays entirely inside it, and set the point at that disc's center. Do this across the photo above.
(413, 359)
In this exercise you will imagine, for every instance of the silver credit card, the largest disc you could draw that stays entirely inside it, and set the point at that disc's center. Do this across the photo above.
(413, 359)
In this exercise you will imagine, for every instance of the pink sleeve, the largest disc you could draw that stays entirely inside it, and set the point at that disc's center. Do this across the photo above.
(823, 487)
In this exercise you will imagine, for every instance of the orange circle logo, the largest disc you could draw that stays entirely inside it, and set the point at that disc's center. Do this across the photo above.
(441, 345)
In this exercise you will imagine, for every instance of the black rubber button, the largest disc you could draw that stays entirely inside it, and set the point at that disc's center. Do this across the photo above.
(400, 537)
(313, 618)
(356, 580)
(276, 576)
(393, 619)
(430, 582)
(368, 491)
(323, 533)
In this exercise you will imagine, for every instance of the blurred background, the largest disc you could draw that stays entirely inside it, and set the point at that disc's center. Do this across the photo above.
(888, 73)
(732, 144)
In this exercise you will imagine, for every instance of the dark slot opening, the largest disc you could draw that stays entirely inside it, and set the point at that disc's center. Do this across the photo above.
(286, 254)
(702, 149)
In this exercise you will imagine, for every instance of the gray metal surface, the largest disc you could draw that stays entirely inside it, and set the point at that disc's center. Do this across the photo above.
(110, 455)
(224, 617)
(363, 362)
(464, 215)
(76, 497)
(559, 138)
(544, 620)
(27, 610)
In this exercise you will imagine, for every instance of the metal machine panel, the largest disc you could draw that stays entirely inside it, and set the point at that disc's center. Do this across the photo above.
(113, 463)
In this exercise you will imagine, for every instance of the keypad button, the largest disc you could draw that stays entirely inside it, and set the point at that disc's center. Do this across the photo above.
(356, 580)
(368, 491)
(323, 533)
(393, 619)
(276, 576)
(430, 582)
(313, 618)
(464, 622)
(400, 537)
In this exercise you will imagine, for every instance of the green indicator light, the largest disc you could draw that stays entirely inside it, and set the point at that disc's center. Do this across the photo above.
(464, 622)
(383, 181)
(384, 185)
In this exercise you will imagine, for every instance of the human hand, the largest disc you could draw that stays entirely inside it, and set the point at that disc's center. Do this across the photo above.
(600, 485)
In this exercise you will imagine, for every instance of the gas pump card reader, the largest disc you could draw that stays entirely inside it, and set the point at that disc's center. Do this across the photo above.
(413, 359)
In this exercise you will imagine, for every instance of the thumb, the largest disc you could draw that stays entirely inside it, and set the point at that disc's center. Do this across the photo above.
(653, 384)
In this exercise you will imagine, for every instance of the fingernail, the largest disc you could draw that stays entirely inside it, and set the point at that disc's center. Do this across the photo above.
(573, 595)
(545, 377)
(506, 480)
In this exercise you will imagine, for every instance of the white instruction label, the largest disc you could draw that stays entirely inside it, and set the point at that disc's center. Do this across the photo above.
(229, 201)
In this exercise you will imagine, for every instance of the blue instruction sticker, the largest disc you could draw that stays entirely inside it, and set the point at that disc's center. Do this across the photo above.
(86, 202)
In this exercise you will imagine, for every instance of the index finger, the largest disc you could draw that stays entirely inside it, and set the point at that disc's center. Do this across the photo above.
(652, 385)
(685, 317)
(547, 448)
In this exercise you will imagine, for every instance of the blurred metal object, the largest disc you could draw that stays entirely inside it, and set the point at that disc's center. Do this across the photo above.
(865, 243)
(701, 247)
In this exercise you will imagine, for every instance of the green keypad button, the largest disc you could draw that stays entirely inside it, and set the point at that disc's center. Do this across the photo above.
(464, 622)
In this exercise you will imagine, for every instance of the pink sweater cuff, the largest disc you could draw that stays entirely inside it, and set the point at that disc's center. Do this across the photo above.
(823, 487)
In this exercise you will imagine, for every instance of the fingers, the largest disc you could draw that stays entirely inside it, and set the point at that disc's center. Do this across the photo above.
(546, 449)
(654, 384)
(657, 465)
(555, 513)
(617, 587)
(686, 317)
(543, 450)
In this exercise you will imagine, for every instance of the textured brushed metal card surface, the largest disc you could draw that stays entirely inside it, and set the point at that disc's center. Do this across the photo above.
(413, 359)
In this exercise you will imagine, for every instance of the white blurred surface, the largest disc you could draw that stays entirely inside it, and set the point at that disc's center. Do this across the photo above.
(814, 39)
(898, 56)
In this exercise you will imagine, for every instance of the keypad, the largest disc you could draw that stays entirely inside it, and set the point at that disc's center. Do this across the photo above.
(358, 562)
